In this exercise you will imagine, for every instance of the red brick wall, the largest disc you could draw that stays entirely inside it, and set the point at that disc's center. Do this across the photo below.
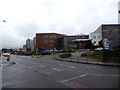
(40, 37)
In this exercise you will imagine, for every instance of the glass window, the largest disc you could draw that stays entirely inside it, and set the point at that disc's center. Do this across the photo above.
(45, 41)
(45, 45)
(52, 36)
(94, 36)
(51, 45)
(94, 42)
(52, 40)
(45, 36)
(99, 36)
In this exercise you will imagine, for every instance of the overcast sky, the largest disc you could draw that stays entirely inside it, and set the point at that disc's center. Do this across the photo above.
(25, 18)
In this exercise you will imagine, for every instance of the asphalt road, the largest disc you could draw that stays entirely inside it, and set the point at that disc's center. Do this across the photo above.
(45, 72)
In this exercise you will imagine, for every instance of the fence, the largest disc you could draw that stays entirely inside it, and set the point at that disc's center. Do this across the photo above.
(76, 57)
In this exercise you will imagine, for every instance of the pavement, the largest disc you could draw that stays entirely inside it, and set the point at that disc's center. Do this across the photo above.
(45, 72)
(86, 61)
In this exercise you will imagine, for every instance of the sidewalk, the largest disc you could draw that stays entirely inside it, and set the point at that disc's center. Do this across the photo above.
(86, 61)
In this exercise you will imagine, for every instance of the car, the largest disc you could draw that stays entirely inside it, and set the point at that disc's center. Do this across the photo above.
(6, 54)
(100, 48)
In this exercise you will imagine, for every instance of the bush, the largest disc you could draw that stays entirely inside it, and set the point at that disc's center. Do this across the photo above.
(83, 54)
(66, 55)
(28, 53)
(46, 53)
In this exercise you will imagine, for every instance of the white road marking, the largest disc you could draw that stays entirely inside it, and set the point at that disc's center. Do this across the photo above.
(92, 67)
(42, 66)
(67, 66)
(56, 69)
(75, 77)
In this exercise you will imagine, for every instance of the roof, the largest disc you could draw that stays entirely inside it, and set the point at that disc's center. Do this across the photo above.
(75, 40)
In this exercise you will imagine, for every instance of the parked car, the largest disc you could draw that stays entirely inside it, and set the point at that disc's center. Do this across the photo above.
(6, 54)
(100, 48)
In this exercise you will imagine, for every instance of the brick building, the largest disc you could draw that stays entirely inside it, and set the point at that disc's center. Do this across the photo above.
(47, 41)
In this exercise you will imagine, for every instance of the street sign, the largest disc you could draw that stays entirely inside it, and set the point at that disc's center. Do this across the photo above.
(106, 43)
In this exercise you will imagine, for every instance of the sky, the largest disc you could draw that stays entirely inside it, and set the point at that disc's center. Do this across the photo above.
(25, 18)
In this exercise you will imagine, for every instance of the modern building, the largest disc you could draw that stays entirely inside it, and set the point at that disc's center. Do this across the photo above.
(29, 45)
(34, 43)
(119, 12)
(110, 35)
(24, 48)
(47, 41)
(72, 42)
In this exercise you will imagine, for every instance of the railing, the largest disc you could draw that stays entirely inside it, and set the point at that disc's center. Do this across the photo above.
(109, 61)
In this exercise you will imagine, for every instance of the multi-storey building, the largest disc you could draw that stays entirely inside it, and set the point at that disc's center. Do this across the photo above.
(47, 41)
(72, 42)
(29, 45)
(34, 43)
(24, 48)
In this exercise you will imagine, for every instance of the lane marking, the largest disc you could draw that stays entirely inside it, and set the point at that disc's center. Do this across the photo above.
(67, 65)
(42, 65)
(56, 69)
(92, 67)
(75, 77)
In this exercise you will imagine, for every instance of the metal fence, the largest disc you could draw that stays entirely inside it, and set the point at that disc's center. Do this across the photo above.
(76, 57)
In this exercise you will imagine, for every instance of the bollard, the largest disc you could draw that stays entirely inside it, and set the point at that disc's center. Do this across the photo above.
(8, 58)
(86, 60)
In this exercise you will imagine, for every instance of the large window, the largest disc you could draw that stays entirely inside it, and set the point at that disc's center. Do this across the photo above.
(45, 45)
(45, 36)
(99, 36)
(52, 40)
(45, 41)
(52, 36)
(94, 37)
(51, 45)
(94, 42)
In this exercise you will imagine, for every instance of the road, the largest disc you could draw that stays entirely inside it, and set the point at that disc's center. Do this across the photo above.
(45, 72)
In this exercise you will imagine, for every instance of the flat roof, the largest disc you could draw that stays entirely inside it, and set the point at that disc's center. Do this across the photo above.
(80, 40)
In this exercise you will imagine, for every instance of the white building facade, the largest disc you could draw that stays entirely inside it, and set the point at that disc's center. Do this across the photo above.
(95, 37)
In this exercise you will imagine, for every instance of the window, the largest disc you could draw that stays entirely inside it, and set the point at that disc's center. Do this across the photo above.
(99, 36)
(45, 45)
(94, 42)
(45, 41)
(94, 37)
(45, 36)
(52, 36)
(52, 40)
(51, 45)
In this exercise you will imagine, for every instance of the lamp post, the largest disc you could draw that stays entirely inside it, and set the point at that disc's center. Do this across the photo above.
(2, 21)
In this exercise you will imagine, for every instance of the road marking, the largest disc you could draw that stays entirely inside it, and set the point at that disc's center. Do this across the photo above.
(75, 77)
(91, 67)
(42, 66)
(67, 66)
(56, 69)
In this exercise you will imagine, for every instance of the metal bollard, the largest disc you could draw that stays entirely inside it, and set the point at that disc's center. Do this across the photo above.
(8, 58)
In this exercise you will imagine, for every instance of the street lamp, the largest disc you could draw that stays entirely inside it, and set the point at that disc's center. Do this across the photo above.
(3, 20)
